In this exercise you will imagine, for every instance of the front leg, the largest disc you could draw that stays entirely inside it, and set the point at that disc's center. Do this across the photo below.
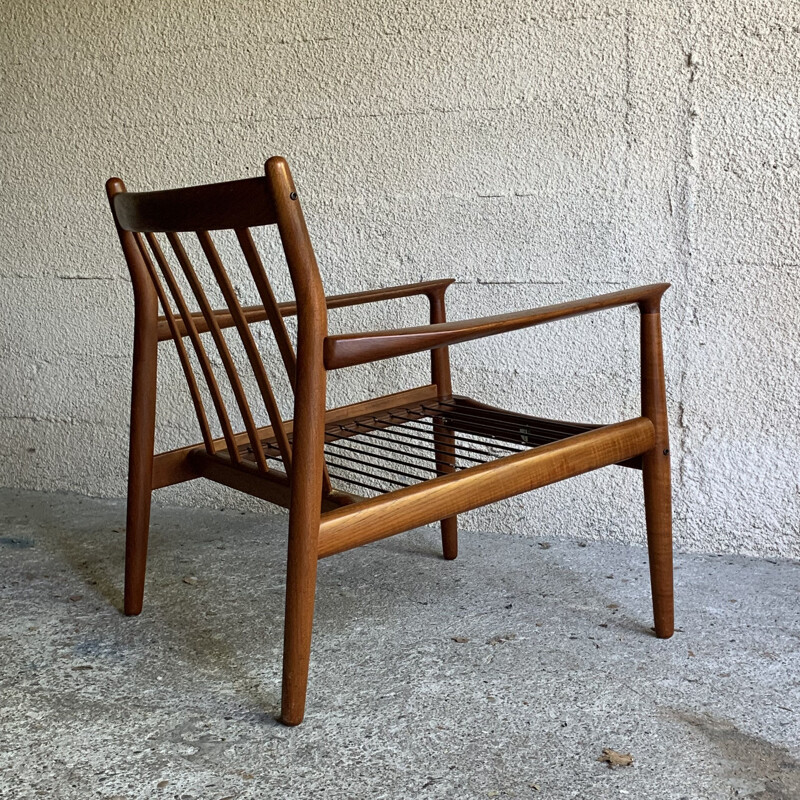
(308, 463)
(656, 473)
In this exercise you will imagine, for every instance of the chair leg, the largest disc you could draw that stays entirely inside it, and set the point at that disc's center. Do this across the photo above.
(304, 519)
(301, 581)
(140, 460)
(450, 538)
(658, 513)
(656, 477)
(137, 529)
(301, 576)
(445, 463)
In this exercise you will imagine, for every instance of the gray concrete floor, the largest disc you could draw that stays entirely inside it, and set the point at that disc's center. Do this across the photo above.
(558, 663)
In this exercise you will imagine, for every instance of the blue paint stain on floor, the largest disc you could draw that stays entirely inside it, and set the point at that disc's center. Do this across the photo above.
(18, 542)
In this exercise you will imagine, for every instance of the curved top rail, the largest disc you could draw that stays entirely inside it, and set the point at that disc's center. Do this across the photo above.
(217, 206)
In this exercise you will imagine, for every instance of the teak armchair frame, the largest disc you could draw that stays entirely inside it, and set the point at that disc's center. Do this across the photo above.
(470, 454)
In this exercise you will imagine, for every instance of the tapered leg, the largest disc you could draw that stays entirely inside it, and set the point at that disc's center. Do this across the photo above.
(445, 461)
(140, 459)
(658, 513)
(301, 581)
(450, 538)
(656, 476)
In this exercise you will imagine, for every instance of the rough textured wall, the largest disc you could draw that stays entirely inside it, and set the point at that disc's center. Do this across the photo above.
(533, 151)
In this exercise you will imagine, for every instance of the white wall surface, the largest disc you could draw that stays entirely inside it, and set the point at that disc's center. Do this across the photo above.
(534, 151)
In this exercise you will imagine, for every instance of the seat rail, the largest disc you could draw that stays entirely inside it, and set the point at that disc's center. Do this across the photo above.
(420, 504)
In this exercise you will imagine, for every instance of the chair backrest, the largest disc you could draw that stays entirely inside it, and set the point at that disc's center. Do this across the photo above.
(164, 271)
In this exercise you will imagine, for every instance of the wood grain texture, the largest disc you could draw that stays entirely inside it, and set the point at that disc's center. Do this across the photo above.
(307, 444)
(197, 343)
(443, 433)
(571, 427)
(445, 496)
(656, 476)
(228, 364)
(273, 313)
(218, 206)
(274, 487)
(143, 414)
(260, 313)
(175, 466)
(253, 355)
(445, 459)
(349, 349)
(172, 324)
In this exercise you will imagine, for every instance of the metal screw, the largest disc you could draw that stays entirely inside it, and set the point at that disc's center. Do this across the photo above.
(293, 196)
(666, 452)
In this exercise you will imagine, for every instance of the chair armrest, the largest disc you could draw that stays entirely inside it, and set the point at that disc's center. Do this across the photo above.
(429, 288)
(257, 313)
(349, 349)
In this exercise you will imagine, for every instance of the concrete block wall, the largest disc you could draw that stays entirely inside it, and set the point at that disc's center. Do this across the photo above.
(534, 151)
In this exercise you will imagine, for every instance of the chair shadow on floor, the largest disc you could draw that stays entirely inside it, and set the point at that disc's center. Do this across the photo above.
(95, 556)
(191, 619)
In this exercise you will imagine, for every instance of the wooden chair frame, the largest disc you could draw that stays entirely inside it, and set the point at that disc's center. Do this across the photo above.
(323, 519)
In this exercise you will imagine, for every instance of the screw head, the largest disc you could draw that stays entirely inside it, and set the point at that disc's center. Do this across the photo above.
(666, 451)
(293, 196)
